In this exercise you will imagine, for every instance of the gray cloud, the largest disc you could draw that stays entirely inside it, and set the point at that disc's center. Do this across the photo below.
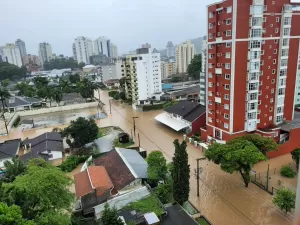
(127, 23)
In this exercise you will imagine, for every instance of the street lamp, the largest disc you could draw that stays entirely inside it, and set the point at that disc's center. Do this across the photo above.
(197, 173)
(134, 117)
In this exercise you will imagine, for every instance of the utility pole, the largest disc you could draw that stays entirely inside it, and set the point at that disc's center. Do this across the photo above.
(197, 173)
(267, 186)
(134, 117)
(139, 140)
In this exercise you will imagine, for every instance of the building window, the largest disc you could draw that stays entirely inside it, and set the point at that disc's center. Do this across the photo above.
(210, 26)
(279, 119)
(227, 66)
(210, 84)
(256, 33)
(209, 119)
(252, 106)
(210, 65)
(210, 46)
(228, 44)
(228, 22)
(253, 96)
(274, 61)
(227, 76)
(284, 52)
(272, 90)
(284, 62)
(287, 20)
(285, 42)
(271, 109)
(277, 19)
(229, 9)
(276, 41)
(255, 44)
(251, 116)
(227, 55)
(275, 51)
(226, 106)
(283, 72)
(226, 97)
(211, 36)
(228, 33)
(280, 109)
(226, 86)
(226, 116)
(211, 15)
(273, 71)
(286, 31)
(253, 86)
(282, 82)
(281, 91)
(209, 75)
(256, 21)
(276, 30)
(226, 125)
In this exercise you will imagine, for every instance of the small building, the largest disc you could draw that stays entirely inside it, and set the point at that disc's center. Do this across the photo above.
(18, 103)
(185, 116)
(124, 169)
(88, 68)
(112, 83)
(27, 124)
(48, 146)
(188, 93)
(8, 150)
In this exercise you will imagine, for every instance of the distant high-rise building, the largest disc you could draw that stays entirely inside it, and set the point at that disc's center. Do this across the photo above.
(114, 51)
(74, 51)
(170, 49)
(147, 45)
(203, 72)
(84, 49)
(185, 52)
(31, 59)
(45, 52)
(22, 48)
(11, 54)
(167, 69)
(102, 45)
(143, 76)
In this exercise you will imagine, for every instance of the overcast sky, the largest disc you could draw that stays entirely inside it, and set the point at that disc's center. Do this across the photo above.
(128, 23)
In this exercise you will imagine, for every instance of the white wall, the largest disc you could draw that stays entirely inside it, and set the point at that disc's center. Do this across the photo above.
(12, 55)
(56, 155)
(3, 160)
(84, 49)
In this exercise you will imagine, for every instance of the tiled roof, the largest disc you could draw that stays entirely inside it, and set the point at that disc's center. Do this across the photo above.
(9, 148)
(82, 184)
(93, 178)
(117, 170)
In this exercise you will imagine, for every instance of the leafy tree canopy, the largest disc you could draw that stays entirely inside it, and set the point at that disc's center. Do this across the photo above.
(194, 68)
(81, 65)
(74, 78)
(264, 144)
(11, 72)
(53, 218)
(82, 131)
(12, 215)
(61, 63)
(235, 156)
(296, 156)
(110, 217)
(285, 199)
(157, 166)
(13, 169)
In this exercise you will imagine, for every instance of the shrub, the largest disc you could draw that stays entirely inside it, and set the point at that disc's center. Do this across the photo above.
(152, 107)
(287, 171)
(113, 93)
(72, 162)
(163, 192)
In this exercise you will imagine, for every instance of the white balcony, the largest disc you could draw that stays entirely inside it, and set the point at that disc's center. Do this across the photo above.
(218, 100)
(219, 39)
(218, 71)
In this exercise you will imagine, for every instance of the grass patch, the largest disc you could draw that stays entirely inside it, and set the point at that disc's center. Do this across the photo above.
(146, 205)
(123, 145)
(103, 131)
(169, 104)
(72, 162)
(202, 221)
(189, 208)
(17, 121)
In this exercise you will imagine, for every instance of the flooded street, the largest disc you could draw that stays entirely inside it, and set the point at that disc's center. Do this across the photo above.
(223, 198)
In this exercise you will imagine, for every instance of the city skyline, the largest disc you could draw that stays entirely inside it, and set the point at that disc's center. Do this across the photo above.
(61, 33)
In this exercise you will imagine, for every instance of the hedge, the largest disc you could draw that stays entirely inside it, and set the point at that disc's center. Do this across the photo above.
(72, 162)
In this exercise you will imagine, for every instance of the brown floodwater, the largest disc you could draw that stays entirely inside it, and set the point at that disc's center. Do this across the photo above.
(223, 198)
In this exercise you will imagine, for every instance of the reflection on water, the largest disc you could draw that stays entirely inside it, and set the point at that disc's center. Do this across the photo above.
(59, 118)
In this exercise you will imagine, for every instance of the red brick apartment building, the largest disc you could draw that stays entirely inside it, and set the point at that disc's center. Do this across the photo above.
(252, 65)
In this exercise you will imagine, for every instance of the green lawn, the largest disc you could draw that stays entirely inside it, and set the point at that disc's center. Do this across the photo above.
(146, 205)
(123, 145)
(202, 221)
(103, 131)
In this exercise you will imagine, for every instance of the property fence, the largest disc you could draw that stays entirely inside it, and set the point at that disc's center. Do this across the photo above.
(271, 180)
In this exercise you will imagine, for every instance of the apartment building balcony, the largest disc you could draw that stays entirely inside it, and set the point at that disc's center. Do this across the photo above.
(218, 71)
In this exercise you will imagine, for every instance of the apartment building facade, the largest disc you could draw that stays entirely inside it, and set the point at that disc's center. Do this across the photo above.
(185, 52)
(11, 53)
(203, 72)
(252, 67)
(102, 46)
(143, 76)
(22, 47)
(84, 49)
(45, 52)
(167, 68)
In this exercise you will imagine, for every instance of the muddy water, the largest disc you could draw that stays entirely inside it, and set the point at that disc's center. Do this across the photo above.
(223, 198)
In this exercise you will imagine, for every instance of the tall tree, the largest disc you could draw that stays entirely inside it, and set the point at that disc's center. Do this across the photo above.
(65, 86)
(157, 166)
(41, 189)
(236, 156)
(194, 68)
(13, 169)
(4, 95)
(264, 144)
(181, 173)
(110, 217)
(81, 131)
(53, 218)
(81, 65)
(296, 156)
(74, 78)
(12, 215)
(57, 96)
(285, 199)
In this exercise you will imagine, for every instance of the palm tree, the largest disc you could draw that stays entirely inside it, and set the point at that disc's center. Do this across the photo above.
(4, 94)
(64, 85)
(13, 169)
(50, 94)
(95, 86)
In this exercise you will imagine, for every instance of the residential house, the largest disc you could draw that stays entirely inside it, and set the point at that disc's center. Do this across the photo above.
(112, 83)
(121, 172)
(8, 150)
(184, 116)
(48, 146)
(18, 103)
(191, 93)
